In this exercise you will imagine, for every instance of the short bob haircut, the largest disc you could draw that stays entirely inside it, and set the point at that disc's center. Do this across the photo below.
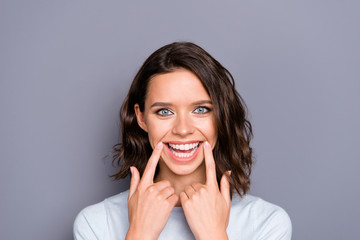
(232, 150)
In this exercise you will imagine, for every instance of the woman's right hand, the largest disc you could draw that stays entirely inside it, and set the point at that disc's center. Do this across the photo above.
(149, 203)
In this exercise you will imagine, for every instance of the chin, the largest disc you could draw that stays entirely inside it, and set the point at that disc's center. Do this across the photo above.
(183, 171)
(183, 168)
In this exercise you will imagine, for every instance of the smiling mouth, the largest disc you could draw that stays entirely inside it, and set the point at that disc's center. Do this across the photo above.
(183, 150)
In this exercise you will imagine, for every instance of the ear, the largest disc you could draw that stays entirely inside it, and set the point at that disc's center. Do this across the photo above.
(140, 117)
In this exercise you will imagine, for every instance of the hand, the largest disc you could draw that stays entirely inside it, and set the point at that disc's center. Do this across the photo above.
(149, 203)
(206, 208)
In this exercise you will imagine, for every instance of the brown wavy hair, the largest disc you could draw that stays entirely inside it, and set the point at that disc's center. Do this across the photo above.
(232, 150)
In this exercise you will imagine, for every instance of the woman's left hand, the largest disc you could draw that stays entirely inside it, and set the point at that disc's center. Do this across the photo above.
(206, 208)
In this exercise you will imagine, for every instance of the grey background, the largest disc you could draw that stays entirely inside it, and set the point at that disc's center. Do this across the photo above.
(67, 65)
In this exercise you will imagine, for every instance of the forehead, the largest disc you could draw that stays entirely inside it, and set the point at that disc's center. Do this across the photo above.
(178, 86)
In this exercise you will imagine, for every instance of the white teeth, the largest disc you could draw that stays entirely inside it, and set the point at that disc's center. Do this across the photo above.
(184, 146)
(192, 146)
(183, 155)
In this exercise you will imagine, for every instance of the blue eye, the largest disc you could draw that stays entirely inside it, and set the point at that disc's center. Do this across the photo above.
(164, 112)
(201, 110)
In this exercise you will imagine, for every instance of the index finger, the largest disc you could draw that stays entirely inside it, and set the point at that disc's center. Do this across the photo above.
(210, 166)
(149, 172)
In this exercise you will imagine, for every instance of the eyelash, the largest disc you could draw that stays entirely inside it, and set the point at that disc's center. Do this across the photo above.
(206, 110)
(163, 109)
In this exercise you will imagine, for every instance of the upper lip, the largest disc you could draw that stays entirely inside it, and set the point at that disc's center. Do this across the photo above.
(180, 142)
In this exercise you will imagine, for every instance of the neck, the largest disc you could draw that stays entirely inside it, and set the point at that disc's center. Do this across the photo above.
(179, 182)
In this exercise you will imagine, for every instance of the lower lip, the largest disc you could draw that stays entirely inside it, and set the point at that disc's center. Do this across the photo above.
(185, 159)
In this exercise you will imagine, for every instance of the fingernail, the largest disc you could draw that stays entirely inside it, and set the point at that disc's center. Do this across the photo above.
(207, 145)
(131, 170)
(159, 145)
(229, 173)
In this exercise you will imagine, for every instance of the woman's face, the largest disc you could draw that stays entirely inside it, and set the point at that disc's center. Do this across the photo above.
(178, 112)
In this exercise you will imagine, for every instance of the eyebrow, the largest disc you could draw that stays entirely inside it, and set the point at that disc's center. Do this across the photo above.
(165, 104)
(160, 104)
(203, 102)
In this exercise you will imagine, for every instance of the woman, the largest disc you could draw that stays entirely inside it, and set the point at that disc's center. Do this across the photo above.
(185, 140)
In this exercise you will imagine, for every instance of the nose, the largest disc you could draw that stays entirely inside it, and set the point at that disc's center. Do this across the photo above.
(183, 125)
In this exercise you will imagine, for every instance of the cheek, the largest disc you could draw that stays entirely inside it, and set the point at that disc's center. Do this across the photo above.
(156, 131)
(208, 129)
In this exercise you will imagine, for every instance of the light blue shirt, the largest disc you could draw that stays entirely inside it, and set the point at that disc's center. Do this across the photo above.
(250, 218)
